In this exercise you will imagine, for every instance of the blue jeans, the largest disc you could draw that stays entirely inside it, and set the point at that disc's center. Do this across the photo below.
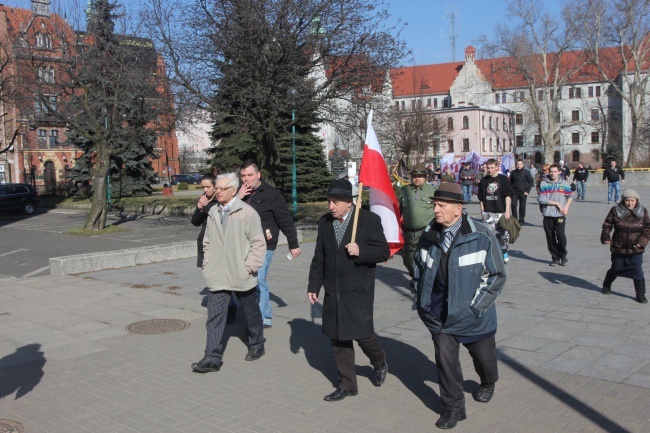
(263, 287)
(614, 187)
(467, 192)
(582, 189)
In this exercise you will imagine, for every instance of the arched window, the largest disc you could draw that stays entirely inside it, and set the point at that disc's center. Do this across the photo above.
(538, 157)
(465, 122)
(450, 124)
(556, 157)
(595, 155)
(576, 156)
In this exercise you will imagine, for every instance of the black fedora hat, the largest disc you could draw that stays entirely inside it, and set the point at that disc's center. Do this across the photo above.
(340, 188)
(449, 191)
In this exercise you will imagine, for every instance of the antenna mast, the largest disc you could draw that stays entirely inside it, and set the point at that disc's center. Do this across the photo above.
(451, 16)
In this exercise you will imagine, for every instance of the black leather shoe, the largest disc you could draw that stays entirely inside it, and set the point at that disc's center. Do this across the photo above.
(484, 393)
(254, 354)
(232, 314)
(380, 374)
(205, 365)
(450, 418)
(267, 326)
(339, 394)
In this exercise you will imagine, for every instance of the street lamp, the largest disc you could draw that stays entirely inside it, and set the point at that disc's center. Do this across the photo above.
(294, 193)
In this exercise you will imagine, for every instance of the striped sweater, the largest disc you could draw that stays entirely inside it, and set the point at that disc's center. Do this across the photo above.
(558, 191)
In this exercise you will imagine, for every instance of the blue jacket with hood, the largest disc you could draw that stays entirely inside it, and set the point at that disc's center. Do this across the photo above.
(475, 277)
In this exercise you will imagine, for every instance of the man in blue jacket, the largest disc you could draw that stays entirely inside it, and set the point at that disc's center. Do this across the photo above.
(459, 274)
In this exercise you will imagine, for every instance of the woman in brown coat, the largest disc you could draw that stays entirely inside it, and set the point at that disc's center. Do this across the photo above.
(631, 224)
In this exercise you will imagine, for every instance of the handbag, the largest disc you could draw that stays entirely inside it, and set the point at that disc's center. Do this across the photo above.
(573, 186)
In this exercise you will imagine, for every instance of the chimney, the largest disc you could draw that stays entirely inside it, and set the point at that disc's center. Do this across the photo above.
(41, 7)
(470, 53)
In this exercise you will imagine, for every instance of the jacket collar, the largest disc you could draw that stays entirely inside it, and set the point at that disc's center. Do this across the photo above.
(433, 231)
(622, 211)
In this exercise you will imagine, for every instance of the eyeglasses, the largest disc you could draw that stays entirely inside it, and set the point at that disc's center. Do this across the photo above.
(219, 189)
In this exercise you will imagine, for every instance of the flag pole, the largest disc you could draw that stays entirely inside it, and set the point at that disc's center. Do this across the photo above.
(356, 213)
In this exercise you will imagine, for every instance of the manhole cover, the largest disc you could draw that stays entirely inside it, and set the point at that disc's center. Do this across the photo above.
(157, 326)
(9, 426)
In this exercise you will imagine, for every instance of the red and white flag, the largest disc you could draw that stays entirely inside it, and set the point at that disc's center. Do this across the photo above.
(374, 175)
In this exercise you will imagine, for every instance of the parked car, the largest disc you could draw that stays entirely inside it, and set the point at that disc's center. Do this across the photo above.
(18, 197)
(187, 178)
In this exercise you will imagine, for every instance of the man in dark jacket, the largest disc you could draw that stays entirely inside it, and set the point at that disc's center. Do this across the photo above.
(274, 213)
(564, 170)
(467, 176)
(521, 182)
(614, 176)
(346, 270)
(580, 176)
(460, 273)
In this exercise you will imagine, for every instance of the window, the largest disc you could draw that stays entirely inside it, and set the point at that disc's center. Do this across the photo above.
(465, 122)
(575, 138)
(496, 123)
(450, 146)
(595, 155)
(498, 145)
(521, 96)
(610, 90)
(519, 119)
(551, 93)
(42, 138)
(43, 40)
(491, 145)
(403, 105)
(575, 115)
(595, 114)
(465, 144)
(556, 157)
(519, 140)
(412, 104)
(505, 125)
(446, 103)
(576, 156)
(46, 74)
(497, 98)
(483, 121)
(397, 105)
(450, 124)
(540, 95)
(435, 102)
(597, 91)
(44, 104)
(419, 104)
(574, 93)
(595, 137)
(428, 102)
(558, 116)
(490, 122)
(538, 140)
(484, 148)
(503, 98)
(590, 91)
(54, 138)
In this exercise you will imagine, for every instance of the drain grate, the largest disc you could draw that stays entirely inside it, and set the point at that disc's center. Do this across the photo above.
(157, 326)
(9, 426)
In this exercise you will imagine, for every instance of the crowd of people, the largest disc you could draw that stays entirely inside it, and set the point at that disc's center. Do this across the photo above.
(456, 264)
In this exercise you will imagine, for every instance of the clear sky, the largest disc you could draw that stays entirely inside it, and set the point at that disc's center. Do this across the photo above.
(427, 31)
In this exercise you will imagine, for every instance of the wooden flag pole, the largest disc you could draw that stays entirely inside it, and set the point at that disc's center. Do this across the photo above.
(356, 213)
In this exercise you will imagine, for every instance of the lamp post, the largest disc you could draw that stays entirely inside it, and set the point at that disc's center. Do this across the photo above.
(294, 192)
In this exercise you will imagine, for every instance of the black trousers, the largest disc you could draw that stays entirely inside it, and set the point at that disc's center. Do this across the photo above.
(518, 198)
(555, 236)
(218, 311)
(450, 374)
(344, 357)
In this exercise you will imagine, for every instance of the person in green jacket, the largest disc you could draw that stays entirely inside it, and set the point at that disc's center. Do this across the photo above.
(416, 208)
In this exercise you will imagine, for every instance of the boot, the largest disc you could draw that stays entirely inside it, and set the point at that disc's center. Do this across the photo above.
(639, 288)
(607, 284)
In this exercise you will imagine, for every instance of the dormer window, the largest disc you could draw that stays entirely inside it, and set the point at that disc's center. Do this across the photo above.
(46, 74)
(43, 40)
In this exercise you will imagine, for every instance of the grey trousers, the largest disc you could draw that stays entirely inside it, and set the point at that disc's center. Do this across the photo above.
(216, 322)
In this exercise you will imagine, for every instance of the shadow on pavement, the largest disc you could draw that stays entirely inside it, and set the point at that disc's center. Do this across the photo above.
(583, 409)
(521, 255)
(278, 300)
(572, 281)
(24, 369)
(406, 363)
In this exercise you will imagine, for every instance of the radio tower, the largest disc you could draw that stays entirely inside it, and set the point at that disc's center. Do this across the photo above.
(451, 16)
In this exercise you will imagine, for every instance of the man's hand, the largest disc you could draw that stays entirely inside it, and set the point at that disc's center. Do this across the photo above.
(353, 249)
(565, 210)
(607, 242)
(295, 252)
(507, 214)
(313, 297)
(244, 191)
(525, 193)
(203, 200)
(604, 180)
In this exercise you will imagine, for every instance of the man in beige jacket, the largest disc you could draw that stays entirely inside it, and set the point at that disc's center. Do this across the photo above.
(234, 249)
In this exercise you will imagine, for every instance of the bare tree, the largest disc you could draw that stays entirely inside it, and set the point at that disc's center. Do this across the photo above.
(616, 38)
(540, 54)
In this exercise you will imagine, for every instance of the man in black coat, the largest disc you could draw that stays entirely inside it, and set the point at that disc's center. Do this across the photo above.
(346, 270)
(521, 182)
